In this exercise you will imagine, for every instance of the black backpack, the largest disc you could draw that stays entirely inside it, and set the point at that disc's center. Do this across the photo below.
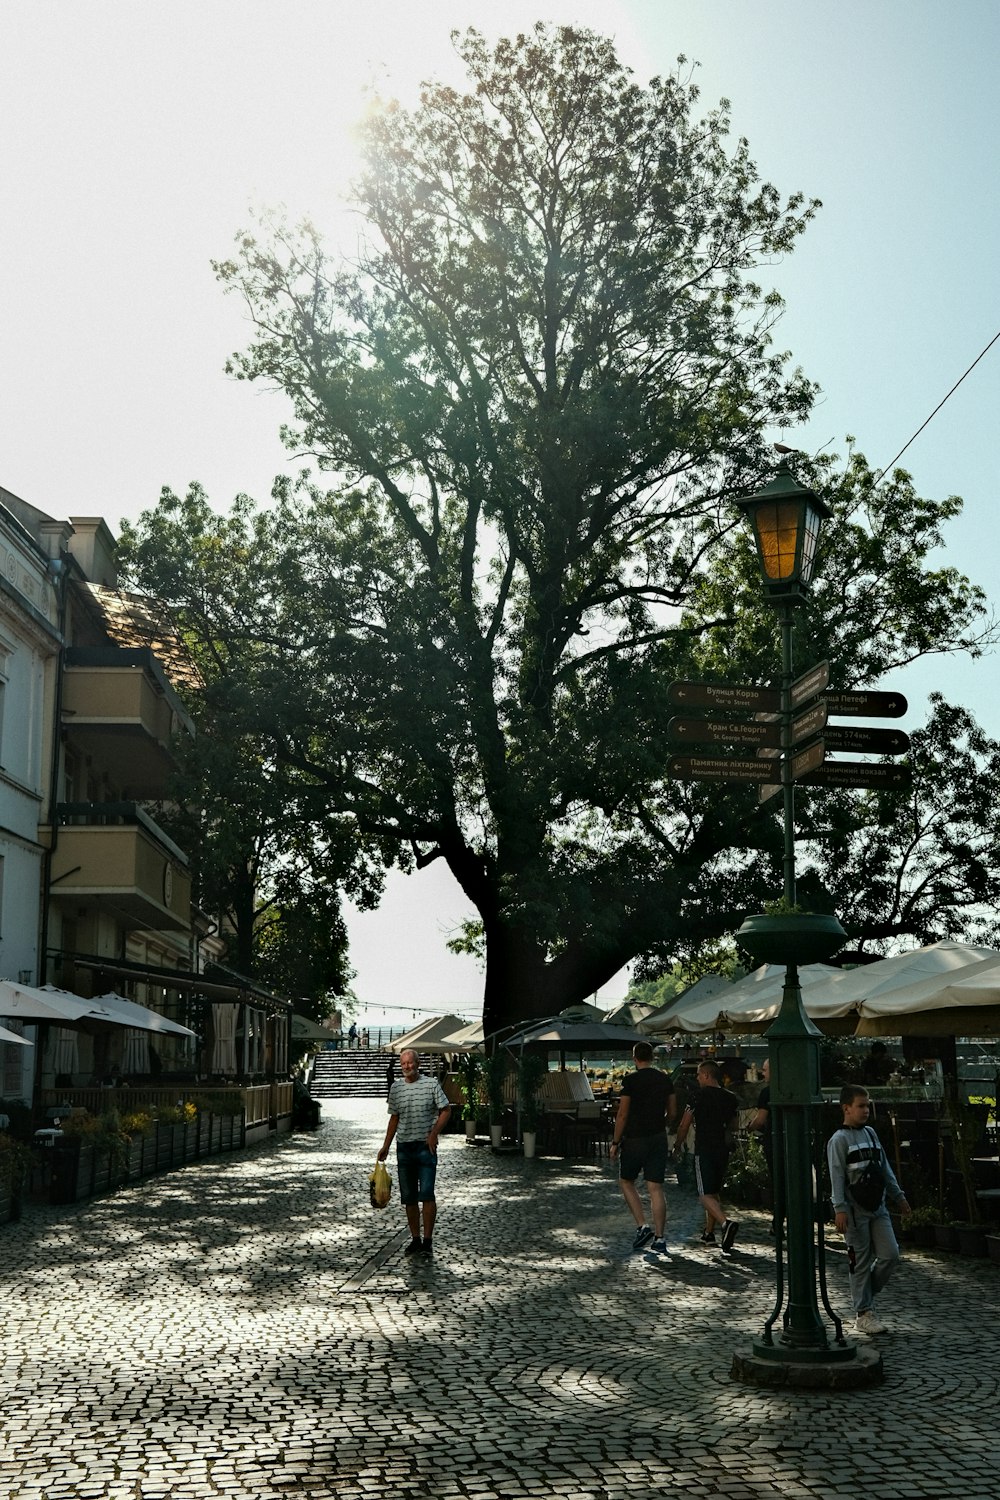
(869, 1188)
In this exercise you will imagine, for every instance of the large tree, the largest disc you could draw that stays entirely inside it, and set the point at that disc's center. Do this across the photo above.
(270, 857)
(536, 392)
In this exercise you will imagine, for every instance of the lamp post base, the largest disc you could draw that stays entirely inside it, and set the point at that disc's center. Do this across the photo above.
(845, 1369)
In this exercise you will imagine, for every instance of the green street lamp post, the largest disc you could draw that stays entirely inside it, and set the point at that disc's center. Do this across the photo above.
(795, 1347)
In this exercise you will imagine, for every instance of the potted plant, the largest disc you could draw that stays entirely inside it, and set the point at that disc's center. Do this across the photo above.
(972, 1239)
(922, 1223)
(16, 1161)
(784, 934)
(531, 1072)
(946, 1235)
(494, 1076)
(469, 1083)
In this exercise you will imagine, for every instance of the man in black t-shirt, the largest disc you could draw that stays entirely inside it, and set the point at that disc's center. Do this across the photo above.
(713, 1112)
(639, 1143)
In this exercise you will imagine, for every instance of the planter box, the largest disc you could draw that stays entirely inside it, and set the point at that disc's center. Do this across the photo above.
(972, 1240)
(946, 1236)
(993, 1247)
(792, 937)
(925, 1235)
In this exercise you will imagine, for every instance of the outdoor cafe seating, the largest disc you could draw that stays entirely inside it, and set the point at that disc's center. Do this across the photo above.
(573, 1122)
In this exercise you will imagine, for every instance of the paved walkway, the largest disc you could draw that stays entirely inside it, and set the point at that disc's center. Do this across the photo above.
(247, 1328)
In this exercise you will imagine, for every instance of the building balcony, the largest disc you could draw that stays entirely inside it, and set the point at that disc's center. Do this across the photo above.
(120, 710)
(113, 856)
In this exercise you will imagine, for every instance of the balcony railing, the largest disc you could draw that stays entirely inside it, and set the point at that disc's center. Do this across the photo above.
(114, 855)
(120, 710)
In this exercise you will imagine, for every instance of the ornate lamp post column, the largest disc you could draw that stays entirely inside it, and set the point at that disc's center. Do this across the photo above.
(786, 520)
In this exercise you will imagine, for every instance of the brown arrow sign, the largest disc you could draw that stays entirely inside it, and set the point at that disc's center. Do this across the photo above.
(805, 761)
(729, 731)
(858, 774)
(863, 740)
(729, 696)
(810, 683)
(808, 760)
(809, 723)
(860, 705)
(718, 768)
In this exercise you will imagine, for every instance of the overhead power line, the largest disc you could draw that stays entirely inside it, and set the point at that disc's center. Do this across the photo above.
(937, 408)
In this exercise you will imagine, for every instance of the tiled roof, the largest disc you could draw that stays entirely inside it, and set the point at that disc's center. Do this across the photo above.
(137, 620)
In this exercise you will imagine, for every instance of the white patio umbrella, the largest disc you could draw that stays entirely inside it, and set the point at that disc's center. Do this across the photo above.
(305, 1030)
(122, 1012)
(467, 1039)
(956, 984)
(23, 1002)
(751, 1004)
(430, 1036)
(704, 991)
(12, 1036)
(965, 1003)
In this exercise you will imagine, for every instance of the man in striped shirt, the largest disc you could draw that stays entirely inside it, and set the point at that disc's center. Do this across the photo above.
(418, 1112)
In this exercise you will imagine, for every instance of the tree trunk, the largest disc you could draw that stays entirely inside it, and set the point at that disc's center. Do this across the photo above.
(522, 985)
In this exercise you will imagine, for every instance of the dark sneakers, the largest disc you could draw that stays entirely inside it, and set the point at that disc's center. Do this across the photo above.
(708, 1237)
(730, 1230)
(413, 1248)
(426, 1247)
(643, 1235)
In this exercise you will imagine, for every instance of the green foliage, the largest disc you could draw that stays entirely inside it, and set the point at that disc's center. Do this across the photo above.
(532, 1068)
(537, 393)
(746, 1175)
(495, 1070)
(926, 1213)
(470, 1081)
(266, 853)
(16, 1161)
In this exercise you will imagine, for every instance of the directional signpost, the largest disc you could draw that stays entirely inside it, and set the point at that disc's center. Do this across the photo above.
(717, 768)
(866, 705)
(859, 773)
(730, 697)
(810, 683)
(861, 740)
(803, 746)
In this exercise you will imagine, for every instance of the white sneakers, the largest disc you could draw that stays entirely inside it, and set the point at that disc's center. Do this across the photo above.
(868, 1323)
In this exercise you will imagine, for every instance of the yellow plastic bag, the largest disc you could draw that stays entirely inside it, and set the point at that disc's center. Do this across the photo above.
(380, 1185)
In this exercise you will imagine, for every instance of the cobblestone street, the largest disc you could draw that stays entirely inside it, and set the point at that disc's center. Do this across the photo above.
(248, 1328)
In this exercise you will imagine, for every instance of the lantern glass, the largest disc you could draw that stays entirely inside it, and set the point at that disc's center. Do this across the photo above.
(779, 524)
(786, 519)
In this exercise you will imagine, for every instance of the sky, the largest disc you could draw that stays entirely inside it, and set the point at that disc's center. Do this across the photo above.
(137, 139)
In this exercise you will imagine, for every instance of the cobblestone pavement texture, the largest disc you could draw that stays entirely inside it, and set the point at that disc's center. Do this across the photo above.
(248, 1328)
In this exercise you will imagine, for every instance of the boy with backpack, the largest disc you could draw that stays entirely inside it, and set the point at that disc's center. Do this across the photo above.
(862, 1179)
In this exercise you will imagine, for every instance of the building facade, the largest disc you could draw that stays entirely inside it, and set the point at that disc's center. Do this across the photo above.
(95, 896)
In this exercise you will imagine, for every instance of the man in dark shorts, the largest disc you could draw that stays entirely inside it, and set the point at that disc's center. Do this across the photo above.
(713, 1112)
(419, 1111)
(639, 1143)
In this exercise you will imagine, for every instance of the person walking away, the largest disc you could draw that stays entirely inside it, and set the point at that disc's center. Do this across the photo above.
(872, 1251)
(712, 1111)
(761, 1125)
(418, 1112)
(639, 1143)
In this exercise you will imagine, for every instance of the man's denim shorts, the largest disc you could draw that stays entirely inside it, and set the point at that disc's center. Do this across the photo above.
(416, 1165)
